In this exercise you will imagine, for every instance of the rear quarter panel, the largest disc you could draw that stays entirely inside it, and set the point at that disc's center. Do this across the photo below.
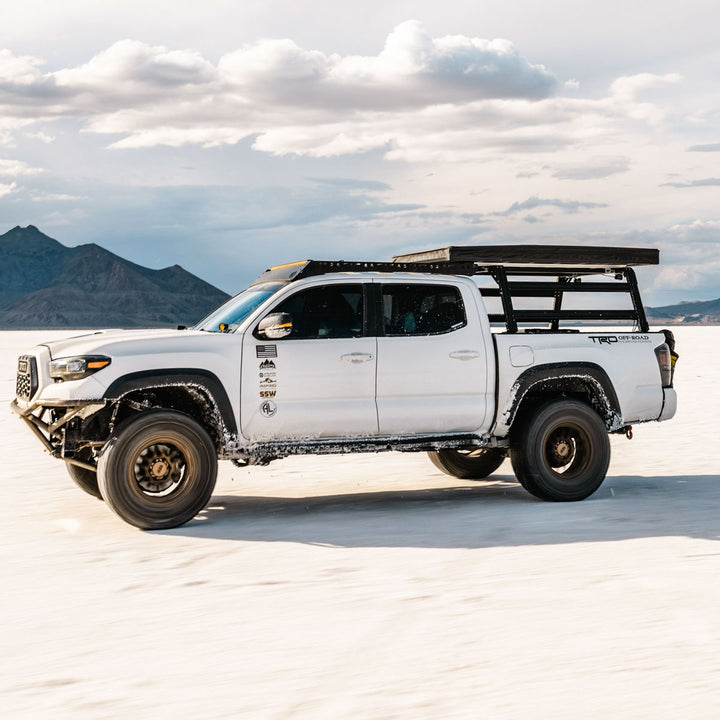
(628, 359)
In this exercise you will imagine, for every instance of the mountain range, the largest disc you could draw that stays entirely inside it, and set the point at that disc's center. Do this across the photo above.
(700, 312)
(45, 284)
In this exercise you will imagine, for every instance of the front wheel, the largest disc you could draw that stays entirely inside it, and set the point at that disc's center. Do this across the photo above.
(561, 452)
(474, 464)
(85, 478)
(159, 470)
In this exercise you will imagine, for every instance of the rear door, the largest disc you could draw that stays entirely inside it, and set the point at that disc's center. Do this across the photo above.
(432, 374)
(319, 382)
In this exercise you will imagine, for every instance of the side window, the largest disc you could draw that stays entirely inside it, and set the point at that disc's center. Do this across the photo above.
(327, 311)
(422, 309)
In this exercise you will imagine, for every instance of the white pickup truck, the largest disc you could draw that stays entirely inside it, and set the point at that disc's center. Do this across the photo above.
(337, 357)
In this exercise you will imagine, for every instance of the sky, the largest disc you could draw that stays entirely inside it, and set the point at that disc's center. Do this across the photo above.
(227, 137)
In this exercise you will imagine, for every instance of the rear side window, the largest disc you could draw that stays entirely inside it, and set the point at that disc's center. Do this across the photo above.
(422, 309)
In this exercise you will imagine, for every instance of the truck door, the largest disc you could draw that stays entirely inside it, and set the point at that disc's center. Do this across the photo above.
(319, 382)
(432, 373)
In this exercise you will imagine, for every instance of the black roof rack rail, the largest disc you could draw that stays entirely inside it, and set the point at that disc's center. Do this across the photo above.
(568, 265)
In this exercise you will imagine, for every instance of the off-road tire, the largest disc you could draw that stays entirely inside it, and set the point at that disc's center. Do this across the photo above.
(85, 479)
(561, 452)
(158, 470)
(473, 464)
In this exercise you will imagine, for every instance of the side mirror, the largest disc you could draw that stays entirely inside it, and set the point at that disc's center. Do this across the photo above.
(275, 326)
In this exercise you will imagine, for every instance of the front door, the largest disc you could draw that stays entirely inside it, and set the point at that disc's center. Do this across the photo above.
(319, 382)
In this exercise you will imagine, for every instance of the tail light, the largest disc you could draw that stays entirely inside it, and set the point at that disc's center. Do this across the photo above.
(670, 344)
(662, 353)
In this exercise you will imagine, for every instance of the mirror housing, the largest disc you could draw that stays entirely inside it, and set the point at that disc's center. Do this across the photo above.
(275, 326)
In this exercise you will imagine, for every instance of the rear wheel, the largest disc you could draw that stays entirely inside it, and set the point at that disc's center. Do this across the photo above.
(159, 470)
(474, 464)
(84, 478)
(561, 452)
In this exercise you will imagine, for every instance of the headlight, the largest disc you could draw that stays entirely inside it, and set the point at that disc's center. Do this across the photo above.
(77, 368)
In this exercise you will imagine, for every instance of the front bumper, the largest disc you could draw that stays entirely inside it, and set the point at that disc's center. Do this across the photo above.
(48, 421)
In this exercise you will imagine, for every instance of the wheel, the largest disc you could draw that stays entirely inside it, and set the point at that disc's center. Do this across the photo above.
(85, 479)
(561, 452)
(468, 464)
(159, 470)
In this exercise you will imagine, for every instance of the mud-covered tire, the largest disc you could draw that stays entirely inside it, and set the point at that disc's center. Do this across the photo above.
(561, 452)
(85, 479)
(159, 470)
(473, 464)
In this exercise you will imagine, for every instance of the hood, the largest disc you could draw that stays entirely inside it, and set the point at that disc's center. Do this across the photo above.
(109, 341)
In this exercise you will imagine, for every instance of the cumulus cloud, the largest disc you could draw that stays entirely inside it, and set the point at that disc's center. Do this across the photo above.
(13, 168)
(420, 98)
(7, 188)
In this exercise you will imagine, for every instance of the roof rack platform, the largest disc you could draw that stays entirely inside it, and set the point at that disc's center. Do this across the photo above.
(535, 255)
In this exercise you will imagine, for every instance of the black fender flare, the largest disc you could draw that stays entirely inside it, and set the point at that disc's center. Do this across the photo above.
(191, 377)
(561, 376)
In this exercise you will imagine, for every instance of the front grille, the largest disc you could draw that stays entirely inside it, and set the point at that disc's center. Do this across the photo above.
(26, 384)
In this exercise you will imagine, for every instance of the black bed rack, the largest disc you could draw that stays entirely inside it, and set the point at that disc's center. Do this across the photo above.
(567, 265)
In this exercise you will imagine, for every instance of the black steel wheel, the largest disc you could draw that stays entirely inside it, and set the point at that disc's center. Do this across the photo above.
(471, 464)
(159, 470)
(561, 452)
(84, 478)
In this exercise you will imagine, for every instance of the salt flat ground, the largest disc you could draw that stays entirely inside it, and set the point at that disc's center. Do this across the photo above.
(373, 586)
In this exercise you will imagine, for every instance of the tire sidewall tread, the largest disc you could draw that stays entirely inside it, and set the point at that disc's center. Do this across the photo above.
(526, 451)
(113, 471)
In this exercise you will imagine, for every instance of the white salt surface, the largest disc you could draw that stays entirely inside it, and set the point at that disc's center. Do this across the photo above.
(373, 586)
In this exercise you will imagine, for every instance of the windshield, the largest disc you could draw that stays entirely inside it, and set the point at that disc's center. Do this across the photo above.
(235, 310)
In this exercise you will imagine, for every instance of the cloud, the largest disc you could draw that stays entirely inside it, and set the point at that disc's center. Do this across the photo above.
(412, 70)
(593, 169)
(704, 182)
(712, 147)
(13, 168)
(7, 188)
(56, 197)
(352, 184)
(420, 98)
(568, 206)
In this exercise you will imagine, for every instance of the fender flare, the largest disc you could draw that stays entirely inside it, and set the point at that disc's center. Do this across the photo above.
(190, 377)
(558, 375)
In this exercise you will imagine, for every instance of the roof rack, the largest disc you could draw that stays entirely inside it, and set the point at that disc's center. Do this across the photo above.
(536, 254)
(568, 265)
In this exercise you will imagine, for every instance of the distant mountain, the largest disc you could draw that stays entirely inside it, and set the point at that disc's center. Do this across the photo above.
(46, 284)
(701, 312)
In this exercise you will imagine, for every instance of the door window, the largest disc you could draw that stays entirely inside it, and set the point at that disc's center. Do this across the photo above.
(326, 311)
(421, 309)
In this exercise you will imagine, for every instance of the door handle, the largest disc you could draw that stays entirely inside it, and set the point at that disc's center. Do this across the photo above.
(464, 354)
(356, 357)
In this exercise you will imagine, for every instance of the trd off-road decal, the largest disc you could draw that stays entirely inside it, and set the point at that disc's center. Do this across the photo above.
(267, 380)
(612, 339)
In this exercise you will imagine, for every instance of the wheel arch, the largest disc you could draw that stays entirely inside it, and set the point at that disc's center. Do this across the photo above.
(195, 392)
(586, 382)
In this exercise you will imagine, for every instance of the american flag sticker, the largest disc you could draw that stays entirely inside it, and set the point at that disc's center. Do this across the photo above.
(266, 351)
